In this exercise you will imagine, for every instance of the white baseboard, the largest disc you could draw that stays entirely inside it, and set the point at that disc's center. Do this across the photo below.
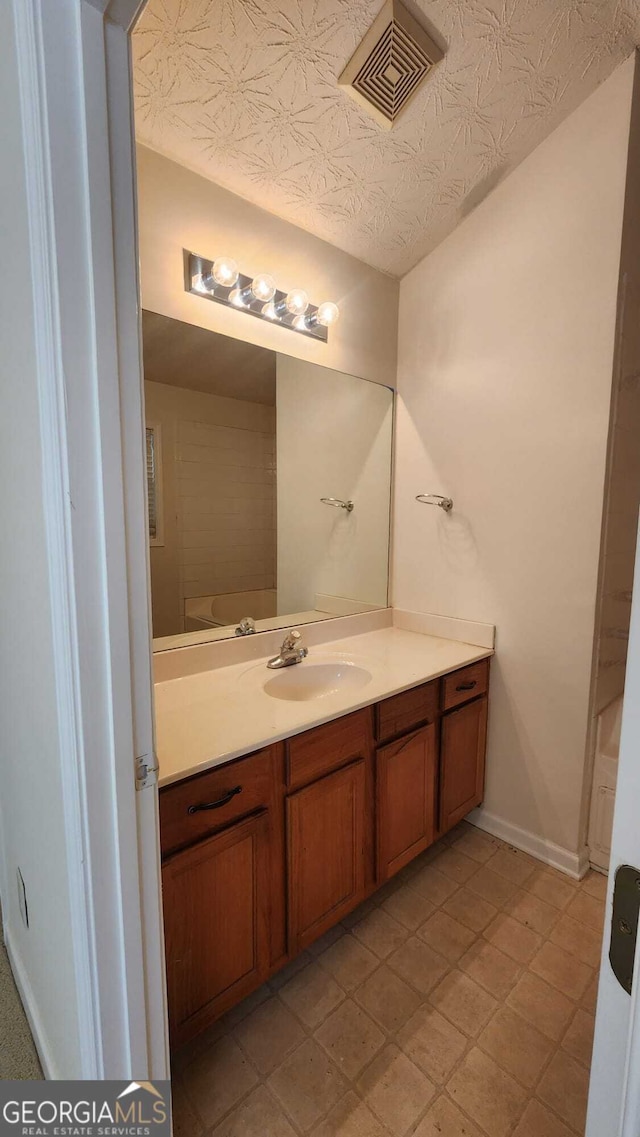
(25, 991)
(573, 864)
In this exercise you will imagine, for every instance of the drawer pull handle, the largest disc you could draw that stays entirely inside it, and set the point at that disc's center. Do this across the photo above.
(467, 686)
(216, 804)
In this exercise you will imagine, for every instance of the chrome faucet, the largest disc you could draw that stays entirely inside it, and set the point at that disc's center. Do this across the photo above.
(290, 652)
(246, 627)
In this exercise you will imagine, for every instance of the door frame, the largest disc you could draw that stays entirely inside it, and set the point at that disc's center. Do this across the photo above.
(75, 94)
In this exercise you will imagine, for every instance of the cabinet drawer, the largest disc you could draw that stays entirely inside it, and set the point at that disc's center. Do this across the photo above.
(403, 712)
(465, 684)
(216, 798)
(326, 748)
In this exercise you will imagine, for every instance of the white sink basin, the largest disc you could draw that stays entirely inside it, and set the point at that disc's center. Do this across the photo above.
(308, 680)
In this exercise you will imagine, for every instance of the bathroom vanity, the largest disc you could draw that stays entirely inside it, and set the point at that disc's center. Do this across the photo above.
(264, 853)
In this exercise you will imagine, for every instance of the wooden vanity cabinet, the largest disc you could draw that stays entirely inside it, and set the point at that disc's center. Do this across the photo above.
(326, 825)
(263, 855)
(223, 879)
(462, 755)
(330, 819)
(406, 783)
(216, 905)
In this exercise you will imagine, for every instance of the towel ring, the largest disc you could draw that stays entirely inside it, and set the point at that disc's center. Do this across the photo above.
(339, 504)
(445, 503)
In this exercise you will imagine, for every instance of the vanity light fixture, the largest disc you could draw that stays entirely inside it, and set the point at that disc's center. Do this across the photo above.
(220, 280)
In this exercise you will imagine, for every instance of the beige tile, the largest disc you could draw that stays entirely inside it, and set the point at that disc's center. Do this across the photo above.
(386, 997)
(396, 1090)
(433, 884)
(380, 933)
(561, 970)
(492, 887)
(268, 1034)
(244, 1008)
(446, 936)
(564, 1087)
(186, 1054)
(533, 912)
(408, 907)
(513, 938)
(578, 940)
(587, 910)
(489, 1095)
(513, 865)
(444, 1119)
(359, 913)
(516, 1045)
(308, 1084)
(550, 888)
(579, 1037)
(330, 937)
(289, 970)
(538, 1121)
(259, 1116)
(463, 1002)
(590, 998)
(349, 962)
(477, 845)
(350, 1118)
(312, 994)
(433, 1043)
(470, 909)
(543, 1006)
(351, 1038)
(491, 968)
(455, 865)
(217, 1079)
(416, 962)
(186, 1122)
(595, 884)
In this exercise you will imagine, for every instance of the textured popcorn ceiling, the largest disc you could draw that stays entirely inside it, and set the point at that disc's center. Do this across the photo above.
(245, 93)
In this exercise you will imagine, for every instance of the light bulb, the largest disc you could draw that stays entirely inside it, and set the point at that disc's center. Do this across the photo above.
(269, 310)
(239, 297)
(263, 286)
(225, 272)
(297, 302)
(327, 314)
(300, 323)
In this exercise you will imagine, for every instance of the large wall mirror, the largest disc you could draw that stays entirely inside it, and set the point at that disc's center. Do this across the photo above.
(269, 487)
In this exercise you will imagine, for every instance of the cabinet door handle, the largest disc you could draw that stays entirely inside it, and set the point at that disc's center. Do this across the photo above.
(216, 804)
(467, 686)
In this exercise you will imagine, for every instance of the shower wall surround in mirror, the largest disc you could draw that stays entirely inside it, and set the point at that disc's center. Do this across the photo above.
(242, 446)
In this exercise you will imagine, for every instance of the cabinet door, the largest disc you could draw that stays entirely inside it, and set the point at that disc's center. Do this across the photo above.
(216, 903)
(326, 854)
(464, 734)
(406, 799)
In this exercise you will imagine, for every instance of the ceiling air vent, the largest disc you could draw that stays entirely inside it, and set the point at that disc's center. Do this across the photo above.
(394, 58)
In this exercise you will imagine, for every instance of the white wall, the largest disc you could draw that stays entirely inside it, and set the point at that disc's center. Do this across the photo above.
(218, 478)
(32, 836)
(505, 367)
(181, 210)
(333, 440)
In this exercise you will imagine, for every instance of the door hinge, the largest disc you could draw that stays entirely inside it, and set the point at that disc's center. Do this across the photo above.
(146, 771)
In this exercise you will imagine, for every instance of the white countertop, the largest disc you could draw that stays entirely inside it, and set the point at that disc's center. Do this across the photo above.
(206, 719)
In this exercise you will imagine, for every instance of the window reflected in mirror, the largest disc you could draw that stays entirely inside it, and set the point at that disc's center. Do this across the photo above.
(243, 445)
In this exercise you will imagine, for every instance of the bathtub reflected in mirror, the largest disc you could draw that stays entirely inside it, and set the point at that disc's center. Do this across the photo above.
(242, 445)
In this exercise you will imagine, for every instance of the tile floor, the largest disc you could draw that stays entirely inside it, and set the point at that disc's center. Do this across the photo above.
(458, 1002)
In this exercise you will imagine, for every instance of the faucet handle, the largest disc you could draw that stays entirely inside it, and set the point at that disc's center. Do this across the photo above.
(290, 640)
